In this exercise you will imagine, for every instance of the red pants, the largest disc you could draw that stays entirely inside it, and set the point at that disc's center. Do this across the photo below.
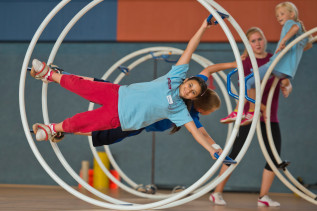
(105, 94)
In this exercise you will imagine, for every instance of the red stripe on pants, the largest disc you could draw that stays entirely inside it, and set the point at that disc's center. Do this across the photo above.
(105, 94)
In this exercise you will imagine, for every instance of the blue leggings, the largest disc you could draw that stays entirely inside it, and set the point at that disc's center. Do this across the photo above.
(262, 71)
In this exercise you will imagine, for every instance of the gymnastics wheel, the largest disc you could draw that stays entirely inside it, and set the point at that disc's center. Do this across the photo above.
(128, 180)
(107, 148)
(298, 189)
(149, 53)
(117, 204)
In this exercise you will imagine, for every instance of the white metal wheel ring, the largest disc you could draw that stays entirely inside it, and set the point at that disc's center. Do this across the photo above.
(130, 67)
(306, 194)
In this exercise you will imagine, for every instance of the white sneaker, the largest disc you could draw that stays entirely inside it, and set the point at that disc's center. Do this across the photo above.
(44, 132)
(217, 199)
(38, 65)
(40, 70)
(266, 201)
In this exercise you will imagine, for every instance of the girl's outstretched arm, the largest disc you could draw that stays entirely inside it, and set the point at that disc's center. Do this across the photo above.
(207, 136)
(293, 30)
(217, 67)
(192, 44)
(201, 139)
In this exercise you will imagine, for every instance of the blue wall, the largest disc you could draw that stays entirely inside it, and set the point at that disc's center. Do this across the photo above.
(20, 19)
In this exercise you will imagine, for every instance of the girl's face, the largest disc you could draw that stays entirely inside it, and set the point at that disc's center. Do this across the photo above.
(283, 15)
(189, 89)
(257, 43)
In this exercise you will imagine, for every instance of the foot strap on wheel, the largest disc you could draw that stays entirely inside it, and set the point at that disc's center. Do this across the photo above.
(283, 165)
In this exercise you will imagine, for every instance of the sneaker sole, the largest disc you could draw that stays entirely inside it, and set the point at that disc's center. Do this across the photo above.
(227, 121)
(262, 204)
(231, 120)
(247, 122)
(265, 204)
(211, 198)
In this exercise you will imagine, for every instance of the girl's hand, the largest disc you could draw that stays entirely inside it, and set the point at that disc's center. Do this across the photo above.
(234, 64)
(207, 25)
(281, 46)
(244, 56)
(263, 111)
(264, 115)
(215, 148)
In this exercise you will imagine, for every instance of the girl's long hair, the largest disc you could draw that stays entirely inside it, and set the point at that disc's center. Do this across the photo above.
(209, 101)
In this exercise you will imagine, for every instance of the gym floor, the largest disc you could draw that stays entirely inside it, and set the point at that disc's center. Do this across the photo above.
(29, 197)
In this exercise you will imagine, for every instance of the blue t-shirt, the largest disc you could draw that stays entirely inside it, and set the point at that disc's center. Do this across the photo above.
(289, 62)
(166, 124)
(142, 104)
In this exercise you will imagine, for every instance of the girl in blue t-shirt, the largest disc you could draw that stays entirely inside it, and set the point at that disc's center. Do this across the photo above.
(131, 107)
(293, 27)
(204, 105)
(107, 137)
